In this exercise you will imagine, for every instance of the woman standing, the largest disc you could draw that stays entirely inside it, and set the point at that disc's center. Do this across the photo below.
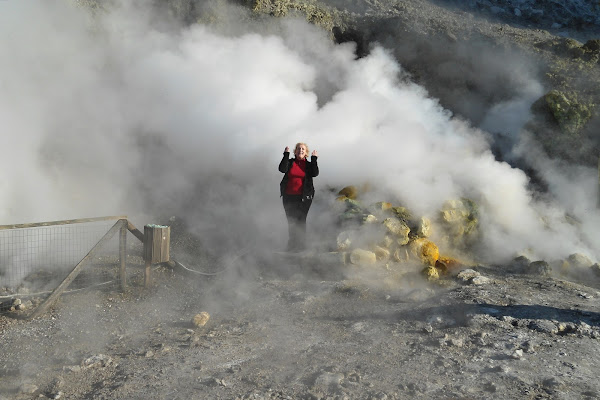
(297, 191)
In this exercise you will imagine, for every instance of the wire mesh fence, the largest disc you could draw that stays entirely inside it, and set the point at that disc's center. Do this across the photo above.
(36, 259)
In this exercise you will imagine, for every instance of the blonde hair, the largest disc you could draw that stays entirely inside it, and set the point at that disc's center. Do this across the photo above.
(301, 144)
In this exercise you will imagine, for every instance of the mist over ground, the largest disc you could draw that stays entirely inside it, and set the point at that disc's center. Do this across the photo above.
(125, 112)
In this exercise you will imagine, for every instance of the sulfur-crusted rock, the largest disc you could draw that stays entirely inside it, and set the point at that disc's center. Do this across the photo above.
(344, 240)
(381, 253)
(446, 265)
(387, 241)
(350, 192)
(200, 319)
(400, 254)
(566, 109)
(382, 206)
(352, 211)
(425, 251)
(332, 258)
(398, 228)
(578, 260)
(423, 227)
(460, 218)
(361, 256)
(430, 273)
(402, 213)
(370, 219)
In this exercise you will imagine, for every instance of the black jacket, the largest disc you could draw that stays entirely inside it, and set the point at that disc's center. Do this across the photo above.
(312, 170)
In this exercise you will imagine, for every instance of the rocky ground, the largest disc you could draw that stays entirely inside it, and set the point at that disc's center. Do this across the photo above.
(313, 332)
(289, 327)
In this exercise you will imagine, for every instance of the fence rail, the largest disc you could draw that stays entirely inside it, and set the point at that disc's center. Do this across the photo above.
(39, 261)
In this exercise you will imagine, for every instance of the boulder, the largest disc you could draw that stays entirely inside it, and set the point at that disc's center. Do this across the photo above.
(565, 109)
(381, 253)
(460, 218)
(350, 192)
(397, 228)
(423, 227)
(446, 265)
(362, 257)
(578, 260)
(541, 268)
(344, 240)
(400, 254)
(430, 273)
(592, 45)
(425, 251)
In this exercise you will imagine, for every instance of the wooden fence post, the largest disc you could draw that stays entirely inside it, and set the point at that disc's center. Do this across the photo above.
(157, 239)
(123, 254)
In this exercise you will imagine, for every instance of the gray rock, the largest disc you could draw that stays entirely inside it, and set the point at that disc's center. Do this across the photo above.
(541, 268)
(552, 383)
(329, 382)
(28, 388)
(467, 274)
(479, 280)
(578, 260)
(542, 325)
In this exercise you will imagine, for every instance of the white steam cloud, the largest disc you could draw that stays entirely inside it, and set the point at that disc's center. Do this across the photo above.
(112, 114)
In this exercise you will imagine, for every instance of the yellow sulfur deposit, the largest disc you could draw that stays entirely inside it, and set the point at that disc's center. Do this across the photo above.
(430, 273)
(200, 319)
(349, 191)
(426, 251)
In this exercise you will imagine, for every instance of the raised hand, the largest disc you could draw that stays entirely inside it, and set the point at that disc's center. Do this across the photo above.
(287, 149)
(314, 153)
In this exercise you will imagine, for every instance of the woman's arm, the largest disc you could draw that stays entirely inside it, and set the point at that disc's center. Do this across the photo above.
(284, 164)
(314, 170)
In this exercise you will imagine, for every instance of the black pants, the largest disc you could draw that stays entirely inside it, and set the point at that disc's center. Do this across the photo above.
(296, 211)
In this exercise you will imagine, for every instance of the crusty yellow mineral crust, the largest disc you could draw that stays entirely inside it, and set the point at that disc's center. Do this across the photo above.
(200, 319)
(431, 273)
(426, 251)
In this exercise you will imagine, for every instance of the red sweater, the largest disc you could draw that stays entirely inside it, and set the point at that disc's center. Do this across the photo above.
(296, 177)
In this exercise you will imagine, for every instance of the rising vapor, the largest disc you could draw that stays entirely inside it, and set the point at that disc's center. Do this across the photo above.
(113, 113)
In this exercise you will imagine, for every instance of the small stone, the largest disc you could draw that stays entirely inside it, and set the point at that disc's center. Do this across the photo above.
(360, 256)
(467, 274)
(480, 280)
(99, 360)
(543, 325)
(517, 354)
(528, 347)
(201, 319)
(329, 382)
(431, 273)
(28, 388)
(552, 383)
(490, 387)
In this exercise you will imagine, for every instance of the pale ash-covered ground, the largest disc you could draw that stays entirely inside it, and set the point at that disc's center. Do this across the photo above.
(317, 331)
(314, 332)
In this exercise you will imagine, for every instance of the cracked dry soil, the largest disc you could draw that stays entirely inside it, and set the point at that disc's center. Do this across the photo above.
(315, 333)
